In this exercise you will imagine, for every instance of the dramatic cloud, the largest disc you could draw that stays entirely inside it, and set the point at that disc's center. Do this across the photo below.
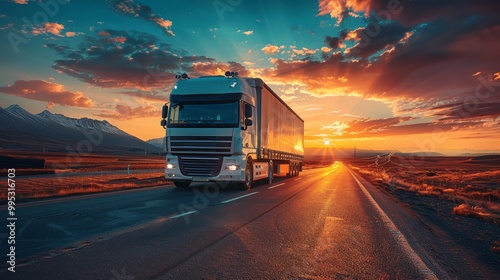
(128, 60)
(471, 110)
(129, 7)
(124, 112)
(406, 60)
(370, 128)
(46, 91)
(340, 9)
(387, 35)
(333, 42)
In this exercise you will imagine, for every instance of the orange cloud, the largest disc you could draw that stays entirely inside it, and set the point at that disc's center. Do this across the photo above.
(325, 49)
(339, 9)
(271, 49)
(216, 68)
(304, 51)
(46, 91)
(165, 24)
(49, 27)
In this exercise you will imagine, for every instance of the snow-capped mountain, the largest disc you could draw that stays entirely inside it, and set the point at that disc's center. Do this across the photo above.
(15, 111)
(83, 123)
(20, 129)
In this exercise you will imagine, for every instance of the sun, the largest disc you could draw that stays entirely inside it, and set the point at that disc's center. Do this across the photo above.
(326, 142)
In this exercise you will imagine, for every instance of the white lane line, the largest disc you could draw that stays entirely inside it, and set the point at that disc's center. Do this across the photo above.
(239, 197)
(297, 179)
(184, 214)
(272, 187)
(397, 235)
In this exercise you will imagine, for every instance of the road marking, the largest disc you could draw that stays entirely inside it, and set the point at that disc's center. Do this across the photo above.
(397, 235)
(61, 228)
(239, 197)
(272, 187)
(297, 179)
(183, 214)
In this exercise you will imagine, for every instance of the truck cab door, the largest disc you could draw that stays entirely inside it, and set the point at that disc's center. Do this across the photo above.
(248, 125)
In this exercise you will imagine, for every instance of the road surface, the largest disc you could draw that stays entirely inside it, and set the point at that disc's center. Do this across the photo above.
(328, 223)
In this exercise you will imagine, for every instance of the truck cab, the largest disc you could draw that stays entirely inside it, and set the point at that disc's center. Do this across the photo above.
(212, 132)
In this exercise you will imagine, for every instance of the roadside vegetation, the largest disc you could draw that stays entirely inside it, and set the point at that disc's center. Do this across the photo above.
(473, 184)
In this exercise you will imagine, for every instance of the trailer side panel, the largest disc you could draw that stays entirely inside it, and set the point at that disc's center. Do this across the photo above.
(281, 129)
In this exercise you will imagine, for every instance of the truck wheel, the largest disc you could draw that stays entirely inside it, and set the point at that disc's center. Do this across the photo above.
(270, 176)
(182, 184)
(248, 175)
(292, 170)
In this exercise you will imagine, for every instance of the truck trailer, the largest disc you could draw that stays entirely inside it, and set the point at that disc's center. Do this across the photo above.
(229, 129)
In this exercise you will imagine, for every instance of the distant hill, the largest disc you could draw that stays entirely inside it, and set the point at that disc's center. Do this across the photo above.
(21, 130)
(332, 154)
(157, 142)
(477, 154)
(486, 159)
(422, 154)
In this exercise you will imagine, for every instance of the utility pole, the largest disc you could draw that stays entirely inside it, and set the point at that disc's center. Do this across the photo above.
(354, 153)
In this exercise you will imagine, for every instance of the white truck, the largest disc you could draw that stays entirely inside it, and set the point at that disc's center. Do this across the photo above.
(229, 129)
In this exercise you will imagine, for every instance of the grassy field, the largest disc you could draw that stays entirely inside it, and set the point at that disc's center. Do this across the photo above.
(85, 174)
(473, 183)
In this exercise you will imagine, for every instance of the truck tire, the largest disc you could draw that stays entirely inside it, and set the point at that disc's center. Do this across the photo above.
(182, 184)
(248, 175)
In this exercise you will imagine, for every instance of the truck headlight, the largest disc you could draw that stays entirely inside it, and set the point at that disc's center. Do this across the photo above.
(232, 167)
(170, 166)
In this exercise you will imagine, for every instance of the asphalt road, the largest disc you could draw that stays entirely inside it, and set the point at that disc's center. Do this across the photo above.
(325, 224)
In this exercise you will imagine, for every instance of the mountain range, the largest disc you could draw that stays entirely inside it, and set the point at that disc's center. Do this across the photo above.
(21, 130)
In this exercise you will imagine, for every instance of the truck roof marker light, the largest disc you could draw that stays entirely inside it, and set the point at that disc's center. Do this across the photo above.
(183, 76)
(231, 74)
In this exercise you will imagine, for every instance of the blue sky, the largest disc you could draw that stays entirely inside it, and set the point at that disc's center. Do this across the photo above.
(359, 72)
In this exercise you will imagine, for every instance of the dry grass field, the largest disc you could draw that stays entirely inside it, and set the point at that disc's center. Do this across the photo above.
(457, 198)
(66, 174)
(473, 183)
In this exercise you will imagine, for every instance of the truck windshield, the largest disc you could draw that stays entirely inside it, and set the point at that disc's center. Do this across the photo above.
(204, 114)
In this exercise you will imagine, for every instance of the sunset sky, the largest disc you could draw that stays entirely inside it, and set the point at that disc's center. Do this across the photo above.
(394, 75)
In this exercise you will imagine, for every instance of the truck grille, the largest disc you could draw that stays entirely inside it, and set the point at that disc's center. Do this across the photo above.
(200, 166)
(200, 145)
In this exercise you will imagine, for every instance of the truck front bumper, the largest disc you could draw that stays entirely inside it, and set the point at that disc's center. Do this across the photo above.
(232, 170)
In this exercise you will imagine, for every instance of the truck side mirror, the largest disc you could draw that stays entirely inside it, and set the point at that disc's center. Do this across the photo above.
(248, 122)
(164, 111)
(248, 111)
